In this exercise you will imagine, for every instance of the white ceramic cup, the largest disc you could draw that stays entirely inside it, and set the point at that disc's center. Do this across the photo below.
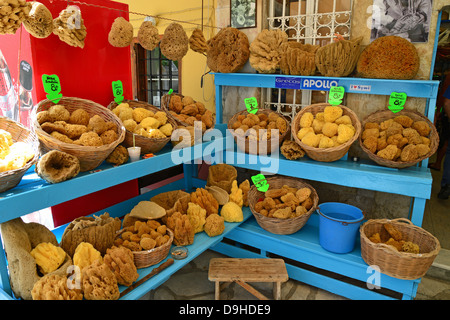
(135, 153)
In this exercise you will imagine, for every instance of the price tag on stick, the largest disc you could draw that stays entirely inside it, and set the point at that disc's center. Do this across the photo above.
(260, 182)
(117, 89)
(251, 104)
(336, 95)
(397, 101)
(52, 87)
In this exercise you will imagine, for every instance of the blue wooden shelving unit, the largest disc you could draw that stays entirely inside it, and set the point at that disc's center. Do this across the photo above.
(303, 247)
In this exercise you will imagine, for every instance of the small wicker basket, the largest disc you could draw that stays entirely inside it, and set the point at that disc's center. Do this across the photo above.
(10, 179)
(402, 265)
(89, 157)
(275, 225)
(326, 154)
(165, 100)
(148, 145)
(261, 148)
(380, 116)
(147, 258)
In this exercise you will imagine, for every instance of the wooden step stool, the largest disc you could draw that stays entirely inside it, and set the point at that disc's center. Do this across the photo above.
(242, 271)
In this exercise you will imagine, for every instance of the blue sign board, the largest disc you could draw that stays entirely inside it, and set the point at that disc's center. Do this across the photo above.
(321, 84)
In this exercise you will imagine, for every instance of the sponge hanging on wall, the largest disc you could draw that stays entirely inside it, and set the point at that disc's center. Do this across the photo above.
(121, 33)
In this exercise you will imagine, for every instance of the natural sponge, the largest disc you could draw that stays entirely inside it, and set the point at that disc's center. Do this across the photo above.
(69, 27)
(121, 33)
(228, 50)
(57, 166)
(231, 212)
(12, 14)
(86, 254)
(197, 41)
(175, 43)
(265, 51)
(99, 282)
(39, 22)
(48, 257)
(390, 57)
(148, 36)
(120, 261)
(298, 58)
(338, 59)
(54, 287)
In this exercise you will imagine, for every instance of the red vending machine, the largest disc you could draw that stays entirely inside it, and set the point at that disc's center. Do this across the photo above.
(83, 72)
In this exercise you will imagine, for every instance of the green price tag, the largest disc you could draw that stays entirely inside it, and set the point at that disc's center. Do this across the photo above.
(397, 101)
(117, 89)
(52, 87)
(336, 95)
(260, 182)
(170, 91)
(251, 104)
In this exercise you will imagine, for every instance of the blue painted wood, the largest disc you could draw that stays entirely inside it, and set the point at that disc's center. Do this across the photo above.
(314, 279)
(33, 193)
(201, 242)
(303, 246)
(364, 174)
(413, 88)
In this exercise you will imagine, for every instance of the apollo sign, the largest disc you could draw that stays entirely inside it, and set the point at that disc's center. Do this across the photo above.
(297, 83)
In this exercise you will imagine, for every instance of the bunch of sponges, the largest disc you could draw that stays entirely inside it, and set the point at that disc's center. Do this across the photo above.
(326, 129)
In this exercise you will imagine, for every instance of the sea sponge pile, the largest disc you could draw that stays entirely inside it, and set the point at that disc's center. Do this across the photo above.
(399, 139)
(186, 110)
(77, 127)
(259, 126)
(326, 129)
(285, 202)
(144, 122)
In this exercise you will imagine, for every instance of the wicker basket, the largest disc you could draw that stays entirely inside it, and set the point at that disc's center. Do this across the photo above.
(275, 225)
(261, 148)
(380, 116)
(326, 154)
(10, 179)
(148, 145)
(165, 100)
(147, 258)
(89, 157)
(402, 265)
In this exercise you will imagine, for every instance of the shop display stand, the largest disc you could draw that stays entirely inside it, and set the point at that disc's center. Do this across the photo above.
(343, 274)
(34, 194)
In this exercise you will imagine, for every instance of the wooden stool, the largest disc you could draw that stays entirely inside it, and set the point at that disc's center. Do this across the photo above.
(248, 270)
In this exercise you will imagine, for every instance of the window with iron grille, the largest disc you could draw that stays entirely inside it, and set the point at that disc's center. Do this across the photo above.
(156, 75)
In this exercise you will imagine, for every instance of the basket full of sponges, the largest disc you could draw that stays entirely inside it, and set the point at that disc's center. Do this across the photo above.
(147, 126)
(398, 140)
(80, 127)
(398, 248)
(326, 132)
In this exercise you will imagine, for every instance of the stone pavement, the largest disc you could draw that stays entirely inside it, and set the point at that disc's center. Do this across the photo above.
(191, 283)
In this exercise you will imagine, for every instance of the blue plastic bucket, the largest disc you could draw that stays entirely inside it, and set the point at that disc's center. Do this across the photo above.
(338, 226)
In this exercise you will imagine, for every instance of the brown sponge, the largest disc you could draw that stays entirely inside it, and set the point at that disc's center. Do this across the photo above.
(69, 27)
(265, 51)
(57, 166)
(197, 41)
(39, 23)
(121, 33)
(175, 43)
(389, 57)
(12, 14)
(228, 50)
(148, 35)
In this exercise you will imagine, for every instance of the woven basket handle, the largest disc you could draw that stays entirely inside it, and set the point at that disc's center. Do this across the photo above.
(402, 220)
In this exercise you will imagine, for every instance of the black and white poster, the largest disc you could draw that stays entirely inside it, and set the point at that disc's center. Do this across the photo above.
(243, 13)
(409, 19)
